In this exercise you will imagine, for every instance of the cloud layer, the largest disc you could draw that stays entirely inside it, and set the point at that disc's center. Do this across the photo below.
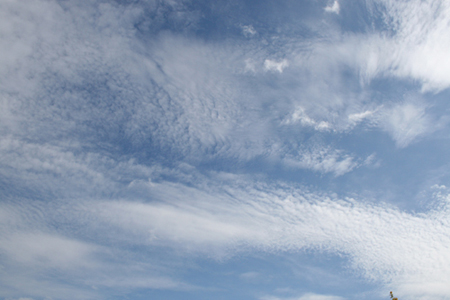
(138, 137)
(383, 243)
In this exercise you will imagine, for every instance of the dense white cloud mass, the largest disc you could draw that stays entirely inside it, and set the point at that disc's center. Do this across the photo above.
(186, 149)
(414, 46)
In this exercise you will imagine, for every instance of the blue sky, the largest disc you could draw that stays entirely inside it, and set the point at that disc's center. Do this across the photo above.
(266, 150)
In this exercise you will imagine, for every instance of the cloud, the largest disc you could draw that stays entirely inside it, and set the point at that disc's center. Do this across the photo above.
(49, 250)
(248, 30)
(299, 116)
(419, 28)
(220, 217)
(103, 122)
(365, 233)
(323, 160)
(359, 117)
(334, 8)
(308, 296)
(33, 257)
(319, 297)
(272, 65)
(40, 259)
(186, 86)
(411, 44)
(406, 122)
(181, 96)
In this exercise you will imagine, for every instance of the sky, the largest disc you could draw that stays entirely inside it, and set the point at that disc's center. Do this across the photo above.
(228, 149)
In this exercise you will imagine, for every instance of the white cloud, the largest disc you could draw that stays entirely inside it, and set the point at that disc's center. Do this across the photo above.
(248, 30)
(195, 102)
(300, 116)
(295, 221)
(188, 97)
(222, 217)
(34, 254)
(48, 250)
(199, 230)
(307, 296)
(359, 117)
(406, 122)
(420, 40)
(415, 46)
(272, 65)
(311, 296)
(334, 8)
(180, 95)
(323, 160)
